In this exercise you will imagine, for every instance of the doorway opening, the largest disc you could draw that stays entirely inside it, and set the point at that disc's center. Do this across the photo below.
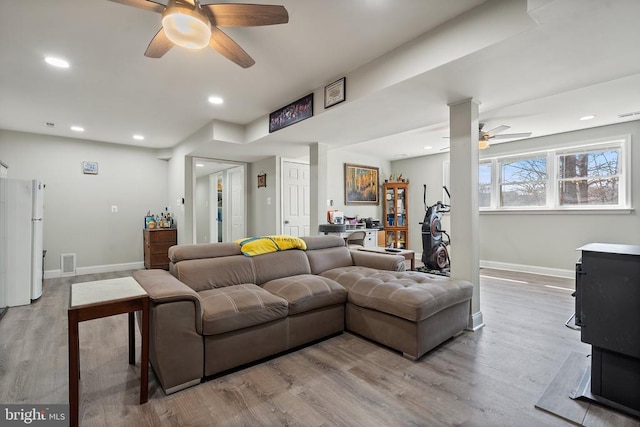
(219, 201)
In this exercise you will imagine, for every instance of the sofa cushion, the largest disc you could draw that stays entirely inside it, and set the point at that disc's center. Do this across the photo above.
(280, 264)
(411, 295)
(208, 273)
(323, 242)
(327, 258)
(202, 250)
(307, 292)
(237, 307)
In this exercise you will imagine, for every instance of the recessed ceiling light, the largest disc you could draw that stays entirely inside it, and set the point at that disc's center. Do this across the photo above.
(77, 128)
(138, 137)
(399, 156)
(200, 165)
(216, 100)
(589, 117)
(56, 62)
(428, 147)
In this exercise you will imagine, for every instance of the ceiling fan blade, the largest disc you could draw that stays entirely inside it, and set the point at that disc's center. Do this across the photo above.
(497, 130)
(511, 135)
(142, 4)
(230, 49)
(159, 45)
(246, 15)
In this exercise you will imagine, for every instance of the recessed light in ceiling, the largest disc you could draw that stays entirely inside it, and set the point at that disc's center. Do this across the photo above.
(428, 147)
(138, 137)
(56, 62)
(199, 165)
(216, 100)
(400, 156)
(77, 128)
(589, 117)
(630, 114)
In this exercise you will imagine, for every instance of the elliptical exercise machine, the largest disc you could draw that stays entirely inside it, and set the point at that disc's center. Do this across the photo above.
(435, 255)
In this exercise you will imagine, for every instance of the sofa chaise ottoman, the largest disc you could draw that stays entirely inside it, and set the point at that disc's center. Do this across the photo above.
(217, 309)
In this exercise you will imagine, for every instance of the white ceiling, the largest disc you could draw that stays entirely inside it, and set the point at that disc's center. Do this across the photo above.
(535, 65)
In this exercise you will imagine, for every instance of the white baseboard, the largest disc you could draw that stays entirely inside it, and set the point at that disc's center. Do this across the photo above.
(475, 322)
(97, 269)
(547, 271)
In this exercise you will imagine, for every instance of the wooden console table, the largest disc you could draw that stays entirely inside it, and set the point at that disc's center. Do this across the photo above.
(94, 300)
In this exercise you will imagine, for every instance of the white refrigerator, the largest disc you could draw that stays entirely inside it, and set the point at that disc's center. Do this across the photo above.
(37, 238)
(25, 206)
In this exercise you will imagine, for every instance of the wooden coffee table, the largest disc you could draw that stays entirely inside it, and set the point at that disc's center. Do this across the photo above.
(406, 253)
(93, 300)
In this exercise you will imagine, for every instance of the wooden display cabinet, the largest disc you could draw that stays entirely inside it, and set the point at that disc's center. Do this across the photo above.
(156, 247)
(396, 224)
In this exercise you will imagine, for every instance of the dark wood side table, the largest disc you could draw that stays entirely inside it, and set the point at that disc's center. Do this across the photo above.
(156, 244)
(94, 300)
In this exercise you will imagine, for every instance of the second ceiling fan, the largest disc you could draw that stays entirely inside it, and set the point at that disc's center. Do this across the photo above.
(496, 133)
(194, 24)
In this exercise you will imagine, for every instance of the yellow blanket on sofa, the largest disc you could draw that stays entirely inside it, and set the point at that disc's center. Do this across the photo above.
(253, 246)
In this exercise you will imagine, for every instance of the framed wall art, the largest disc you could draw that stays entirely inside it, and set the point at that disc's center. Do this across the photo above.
(262, 180)
(361, 185)
(335, 92)
(90, 168)
(292, 113)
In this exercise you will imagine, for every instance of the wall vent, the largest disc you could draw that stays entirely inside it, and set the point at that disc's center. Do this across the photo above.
(68, 264)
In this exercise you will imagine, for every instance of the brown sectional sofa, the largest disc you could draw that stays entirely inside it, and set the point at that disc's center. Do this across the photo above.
(217, 309)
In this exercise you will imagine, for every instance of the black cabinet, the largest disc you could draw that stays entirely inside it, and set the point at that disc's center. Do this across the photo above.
(608, 313)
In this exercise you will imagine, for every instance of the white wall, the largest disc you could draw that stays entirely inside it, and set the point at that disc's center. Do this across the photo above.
(263, 217)
(78, 217)
(543, 242)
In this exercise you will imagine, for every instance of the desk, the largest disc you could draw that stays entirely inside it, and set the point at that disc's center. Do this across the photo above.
(370, 240)
(406, 253)
(94, 300)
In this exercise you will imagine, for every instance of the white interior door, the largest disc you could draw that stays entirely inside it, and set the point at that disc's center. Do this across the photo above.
(236, 204)
(295, 199)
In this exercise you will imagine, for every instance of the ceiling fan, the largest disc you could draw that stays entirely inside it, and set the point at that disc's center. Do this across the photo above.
(194, 24)
(485, 137)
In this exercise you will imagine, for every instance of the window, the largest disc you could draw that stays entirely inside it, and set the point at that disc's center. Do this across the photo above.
(484, 185)
(523, 182)
(593, 176)
(589, 177)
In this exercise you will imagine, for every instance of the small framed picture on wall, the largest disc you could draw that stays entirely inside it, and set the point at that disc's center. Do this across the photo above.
(90, 168)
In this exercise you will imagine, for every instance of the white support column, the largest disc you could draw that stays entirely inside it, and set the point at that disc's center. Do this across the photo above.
(465, 247)
(318, 171)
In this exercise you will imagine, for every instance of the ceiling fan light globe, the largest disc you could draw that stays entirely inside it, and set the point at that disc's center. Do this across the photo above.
(185, 27)
(482, 144)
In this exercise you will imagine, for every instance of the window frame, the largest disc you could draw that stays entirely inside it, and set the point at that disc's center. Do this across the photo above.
(621, 143)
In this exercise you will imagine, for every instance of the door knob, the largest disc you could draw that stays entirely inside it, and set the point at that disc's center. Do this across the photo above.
(286, 221)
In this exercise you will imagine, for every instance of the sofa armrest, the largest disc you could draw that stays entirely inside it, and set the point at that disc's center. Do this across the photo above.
(378, 261)
(163, 287)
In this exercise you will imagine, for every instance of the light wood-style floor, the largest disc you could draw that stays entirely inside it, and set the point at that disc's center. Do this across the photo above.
(492, 377)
